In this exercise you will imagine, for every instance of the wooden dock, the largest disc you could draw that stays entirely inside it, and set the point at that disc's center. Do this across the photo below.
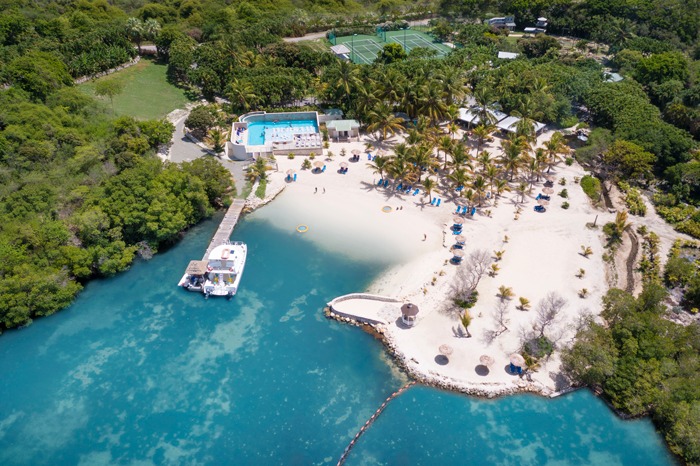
(223, 233)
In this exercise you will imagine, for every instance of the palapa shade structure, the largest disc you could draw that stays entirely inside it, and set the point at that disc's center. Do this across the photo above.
(445, 350)
(409, 309)
(457, 220)
(355, 152)
(548, 190)
(196, 268)
(517, 360)
(343, 165)
(486, 360)
(290, 172)
(318, 164)
(458, 253)
(460, 239)
(542, 201)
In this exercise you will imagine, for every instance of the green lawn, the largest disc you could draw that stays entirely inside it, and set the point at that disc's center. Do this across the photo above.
(147, 93)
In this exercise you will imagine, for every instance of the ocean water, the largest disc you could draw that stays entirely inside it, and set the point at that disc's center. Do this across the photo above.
(138, 371)
(258, 129)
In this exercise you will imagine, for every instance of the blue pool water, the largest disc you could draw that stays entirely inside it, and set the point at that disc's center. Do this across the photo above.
(258, 129)
(139, 371)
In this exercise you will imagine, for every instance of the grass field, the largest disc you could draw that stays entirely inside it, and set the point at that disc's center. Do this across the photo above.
(147, 93)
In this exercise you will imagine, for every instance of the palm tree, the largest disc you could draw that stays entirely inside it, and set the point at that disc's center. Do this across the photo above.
(445, 144)
(429, 185)
(453, 85)
(379, 165)
(365, 101)
(484, 100)
(481, 133)
(460, 158)
(491, 172)
(345, 78)
(554, 148)
(217, 138)
(383, 120)
(241, 94)
(484, 160)
(432, 102)
(421, 157)
(257, 171)
(459, 177)
(479, 186)
(414, 137)
(511, 159)
(501, 187)
(400, 169)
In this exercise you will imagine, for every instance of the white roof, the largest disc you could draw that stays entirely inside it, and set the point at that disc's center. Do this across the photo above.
(542, 19)
(471, 115)
(507, 55)
(509, 124)
(613, 77)
(340, 49)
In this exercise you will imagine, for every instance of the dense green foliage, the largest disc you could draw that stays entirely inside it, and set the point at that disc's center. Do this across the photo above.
(81, 194)
(644, 364)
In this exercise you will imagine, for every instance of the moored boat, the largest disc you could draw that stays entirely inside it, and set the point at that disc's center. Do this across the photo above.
(218, 275)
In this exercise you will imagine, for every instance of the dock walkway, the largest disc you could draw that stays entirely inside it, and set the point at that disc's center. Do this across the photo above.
(223, 233)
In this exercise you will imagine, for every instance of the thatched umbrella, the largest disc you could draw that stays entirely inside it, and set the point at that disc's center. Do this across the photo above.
(343, 165)
(486, 360)
(409, 310)
(517, 360)
(291, 172)
(355, 152)
(549, 178)
(446, 350)
(318, 164)
(542, 201)
(458, 253)
(457, 220)
(548, 190)
(460, 239)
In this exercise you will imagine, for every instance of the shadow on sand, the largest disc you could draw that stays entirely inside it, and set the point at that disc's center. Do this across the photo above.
(482, 370)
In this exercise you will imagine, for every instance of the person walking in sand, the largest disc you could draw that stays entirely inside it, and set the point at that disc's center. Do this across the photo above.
(425, 236)
(324, 190)
(315, 190)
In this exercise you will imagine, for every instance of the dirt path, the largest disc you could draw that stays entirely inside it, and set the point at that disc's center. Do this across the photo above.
(631, 259)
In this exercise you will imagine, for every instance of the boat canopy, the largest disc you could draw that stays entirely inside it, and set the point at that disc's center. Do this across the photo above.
(197, 268)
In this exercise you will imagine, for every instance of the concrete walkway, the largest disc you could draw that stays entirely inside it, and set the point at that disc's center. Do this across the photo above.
(368, 310)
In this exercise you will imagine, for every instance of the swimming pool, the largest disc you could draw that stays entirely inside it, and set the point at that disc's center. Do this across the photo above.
(258, 129)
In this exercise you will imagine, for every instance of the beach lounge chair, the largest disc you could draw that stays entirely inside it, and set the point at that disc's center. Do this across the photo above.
(438, 202)
(381, 182)
(369, 156)
(295, 177)
(458, 209)
(399, 187)
(386, 183)
(408, 189)
(473, 211)
(324, 168)
(433, 201)
(464, 210)
(540, 209)
(415, 193)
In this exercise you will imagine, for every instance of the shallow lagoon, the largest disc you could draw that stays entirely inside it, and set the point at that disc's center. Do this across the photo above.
(138, 370)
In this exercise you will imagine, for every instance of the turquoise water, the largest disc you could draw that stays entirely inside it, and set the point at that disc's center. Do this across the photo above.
(139, 371)
(258, 129)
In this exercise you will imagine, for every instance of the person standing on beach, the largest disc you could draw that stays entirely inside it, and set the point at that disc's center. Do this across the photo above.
(425, 236)
(324, 190)
(315, 190)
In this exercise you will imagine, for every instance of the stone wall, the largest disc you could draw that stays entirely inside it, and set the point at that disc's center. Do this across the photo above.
(83, 79)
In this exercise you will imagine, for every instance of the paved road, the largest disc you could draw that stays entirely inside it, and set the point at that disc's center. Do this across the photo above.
(184, 150)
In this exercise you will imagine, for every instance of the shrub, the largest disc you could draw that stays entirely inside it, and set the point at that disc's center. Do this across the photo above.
(290, 156)
(591, 186)
(564, 193)
(569, 161)
(306, 164)
(468, 303)
(565, 205)
(562, 181)
(633, 199)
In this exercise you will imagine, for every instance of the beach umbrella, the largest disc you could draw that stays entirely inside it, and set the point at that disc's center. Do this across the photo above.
(355, 152)
(517, 360)
(458, 253)
(460, 239)
(548, 190)
(549, 178)
(319, 164)
(446, 350)
(291, 172)
(343, 165)
(542, 201)
(486, 360)
(457, 220)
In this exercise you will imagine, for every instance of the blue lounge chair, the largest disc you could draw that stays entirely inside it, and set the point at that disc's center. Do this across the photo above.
(540, 209)
(433, 201)
(324, 169)
(438, 202)
(369, 156)
(464, 210)
(539, 196)
(295, 177)
(381, 182)
(473, 211)
(512, 368)
(386, 183)
(374, 157)
(459, 208)
(408, 189)
(416, 191)
(399, 187)
(459, 188)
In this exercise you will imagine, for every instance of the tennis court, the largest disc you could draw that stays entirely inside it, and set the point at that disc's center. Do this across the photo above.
(409, 40)
(363, 49)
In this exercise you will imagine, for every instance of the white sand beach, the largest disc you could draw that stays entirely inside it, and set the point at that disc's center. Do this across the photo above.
(344, 214)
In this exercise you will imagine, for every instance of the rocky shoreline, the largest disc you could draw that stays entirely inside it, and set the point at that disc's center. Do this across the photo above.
(482, 390)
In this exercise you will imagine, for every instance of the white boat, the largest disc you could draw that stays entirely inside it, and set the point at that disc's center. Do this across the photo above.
(220, 274)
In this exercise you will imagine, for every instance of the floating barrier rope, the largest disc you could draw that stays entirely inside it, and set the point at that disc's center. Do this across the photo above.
(371, 420)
